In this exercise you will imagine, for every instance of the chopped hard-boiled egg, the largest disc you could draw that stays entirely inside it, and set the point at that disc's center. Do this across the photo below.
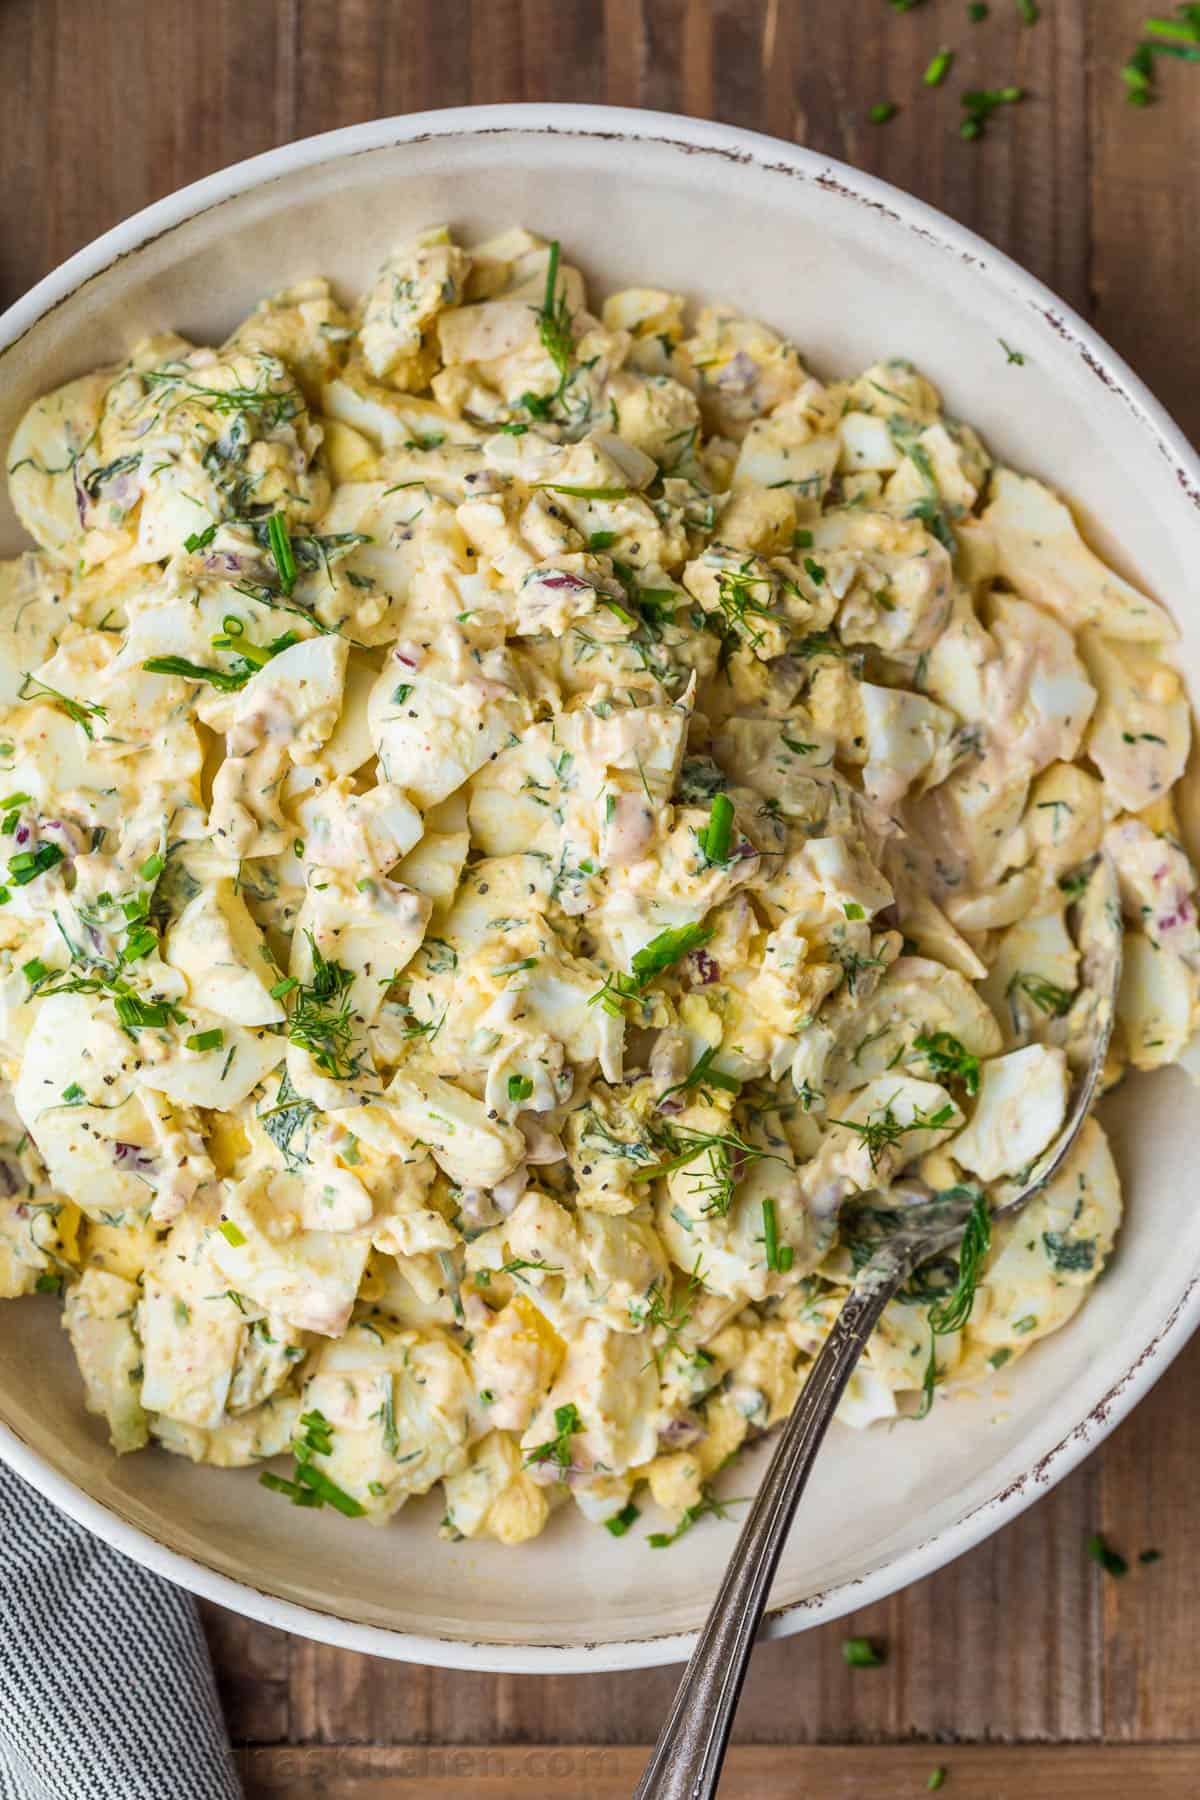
(521, 828)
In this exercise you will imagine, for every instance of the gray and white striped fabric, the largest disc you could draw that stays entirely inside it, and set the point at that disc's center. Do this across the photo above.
(106, 1688)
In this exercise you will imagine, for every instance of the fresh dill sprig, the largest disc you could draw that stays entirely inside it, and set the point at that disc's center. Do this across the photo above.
(272, 407)
(948, 1058)
(81, 712)
(739, 604)
(1045, 995)
(708, 1506)
(726, 1156)
(854, 964)
(669, 1317)
(950, 1311)
(322, 1020)
(554, 325)
(885, 1129)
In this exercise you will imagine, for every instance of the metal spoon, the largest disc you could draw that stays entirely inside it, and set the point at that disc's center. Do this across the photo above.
(685, 1763)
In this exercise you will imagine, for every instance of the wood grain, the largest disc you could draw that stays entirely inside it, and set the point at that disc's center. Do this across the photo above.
(588, 1772)
(1145, 271)
(1024, 1642)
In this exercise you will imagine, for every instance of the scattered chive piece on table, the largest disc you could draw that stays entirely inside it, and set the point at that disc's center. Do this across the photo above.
(882, 111)
(1183, 30)
(1110, 1560)
(937, 1779)
(938, 68)
(1150, 1556)
(1138, 76)
(861, 1653)
(1030, 11)
(977, 12)
(981, 103)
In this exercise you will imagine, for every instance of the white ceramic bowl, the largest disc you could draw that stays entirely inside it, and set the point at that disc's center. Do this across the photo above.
(852, 270)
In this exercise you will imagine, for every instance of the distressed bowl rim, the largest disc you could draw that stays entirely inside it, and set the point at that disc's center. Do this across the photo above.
(771, 156)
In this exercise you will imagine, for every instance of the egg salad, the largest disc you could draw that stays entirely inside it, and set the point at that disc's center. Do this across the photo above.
(522, 825)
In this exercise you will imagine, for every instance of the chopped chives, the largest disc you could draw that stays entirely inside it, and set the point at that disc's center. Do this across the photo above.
(981, 103)
(29, 864)
(207, 1040)
(296, 1494)
(666, 949)
(938, 68)
(620, 1522)
(280, 546)
(582, 493)
(715, 838)
(882, 112)
(233, 1234)
(1110, 1560)
(1184, 30)
(861, 1653)
(329, 1491)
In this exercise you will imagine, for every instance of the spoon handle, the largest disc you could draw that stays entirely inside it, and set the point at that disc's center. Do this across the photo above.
(685, 1763)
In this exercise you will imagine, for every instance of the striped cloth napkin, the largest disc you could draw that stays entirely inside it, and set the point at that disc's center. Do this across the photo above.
(106, 1688)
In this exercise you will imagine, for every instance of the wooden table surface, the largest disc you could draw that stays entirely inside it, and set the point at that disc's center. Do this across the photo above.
(1021, 1669)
